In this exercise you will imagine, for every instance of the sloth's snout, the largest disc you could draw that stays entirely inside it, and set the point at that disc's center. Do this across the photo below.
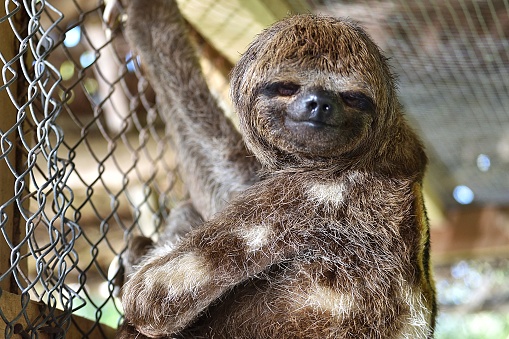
(316, 107)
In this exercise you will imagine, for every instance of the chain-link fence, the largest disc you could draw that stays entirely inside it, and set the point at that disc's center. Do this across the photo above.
(86, 161)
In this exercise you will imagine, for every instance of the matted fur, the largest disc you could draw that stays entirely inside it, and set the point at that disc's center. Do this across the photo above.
(328, 237)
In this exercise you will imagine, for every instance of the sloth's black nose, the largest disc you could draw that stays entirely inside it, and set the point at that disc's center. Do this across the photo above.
(316, 106)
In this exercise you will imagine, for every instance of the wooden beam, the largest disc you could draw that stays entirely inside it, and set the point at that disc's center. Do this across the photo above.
(283, 8)
(471, 232)
(227, 25)
(230, 25)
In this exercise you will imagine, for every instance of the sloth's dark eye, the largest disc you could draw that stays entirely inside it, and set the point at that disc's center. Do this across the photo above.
(287, 89)
(358, 101)
(283, 89)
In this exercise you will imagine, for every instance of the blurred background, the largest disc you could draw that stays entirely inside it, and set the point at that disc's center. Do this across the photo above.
(94, 165)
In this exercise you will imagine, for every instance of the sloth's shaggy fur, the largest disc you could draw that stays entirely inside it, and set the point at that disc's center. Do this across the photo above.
(323, 233)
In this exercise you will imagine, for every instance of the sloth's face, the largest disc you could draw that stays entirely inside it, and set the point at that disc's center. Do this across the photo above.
(314, 87)
(315, 114)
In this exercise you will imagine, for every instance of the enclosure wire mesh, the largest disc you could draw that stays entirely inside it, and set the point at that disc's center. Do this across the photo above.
(95, 163)
(88, 159)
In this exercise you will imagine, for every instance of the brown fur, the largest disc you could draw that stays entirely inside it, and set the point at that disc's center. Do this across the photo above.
(331, 240)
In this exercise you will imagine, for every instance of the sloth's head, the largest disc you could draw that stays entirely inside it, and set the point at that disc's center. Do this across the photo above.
(317, 91)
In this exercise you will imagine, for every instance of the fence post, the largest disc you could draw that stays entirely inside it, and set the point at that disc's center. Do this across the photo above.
(10, 152)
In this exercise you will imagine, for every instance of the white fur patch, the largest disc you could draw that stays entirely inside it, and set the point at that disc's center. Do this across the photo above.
(328, 299)
(255, 237)
(181, 275)
(161, 250)
(327, 193)
(417, 323)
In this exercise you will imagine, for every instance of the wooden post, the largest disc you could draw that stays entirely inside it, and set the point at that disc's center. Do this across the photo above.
(10, 214)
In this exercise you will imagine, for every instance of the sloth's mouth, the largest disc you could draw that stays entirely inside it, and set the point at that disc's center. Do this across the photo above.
(316, 124)
(309, 136)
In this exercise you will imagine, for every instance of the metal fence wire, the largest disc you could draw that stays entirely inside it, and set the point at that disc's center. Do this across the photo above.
(86, 161)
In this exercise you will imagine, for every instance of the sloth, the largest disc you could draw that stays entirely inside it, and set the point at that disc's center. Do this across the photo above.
(312, 221)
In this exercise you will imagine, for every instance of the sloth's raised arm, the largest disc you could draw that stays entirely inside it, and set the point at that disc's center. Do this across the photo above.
(212, 157)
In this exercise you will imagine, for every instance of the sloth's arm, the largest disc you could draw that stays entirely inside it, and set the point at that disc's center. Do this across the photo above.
(212, 158)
